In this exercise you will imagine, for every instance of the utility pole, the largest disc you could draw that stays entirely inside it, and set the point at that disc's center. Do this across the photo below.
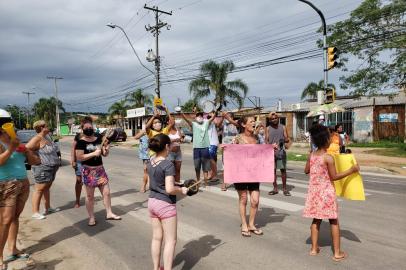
(58, 132)
(155, 31)
(320, 96)
(28, 107)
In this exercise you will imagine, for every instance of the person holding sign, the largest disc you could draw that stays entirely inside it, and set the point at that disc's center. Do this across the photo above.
(201, 144)
(247, 137)
(321, 200)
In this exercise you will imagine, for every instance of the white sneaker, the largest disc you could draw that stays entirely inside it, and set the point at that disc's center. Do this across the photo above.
(38, 216)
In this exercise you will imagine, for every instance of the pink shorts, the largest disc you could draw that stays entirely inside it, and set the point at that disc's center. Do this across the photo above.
(161, 209)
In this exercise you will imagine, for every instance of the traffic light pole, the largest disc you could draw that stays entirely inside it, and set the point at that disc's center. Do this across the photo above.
(320, 96)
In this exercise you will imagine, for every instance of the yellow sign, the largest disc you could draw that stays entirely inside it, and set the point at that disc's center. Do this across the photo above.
(350, 187)
(157, 101)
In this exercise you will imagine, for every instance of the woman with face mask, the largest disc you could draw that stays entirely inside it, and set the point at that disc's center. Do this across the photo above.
(89, 151)
(44, 174)
(154, 124)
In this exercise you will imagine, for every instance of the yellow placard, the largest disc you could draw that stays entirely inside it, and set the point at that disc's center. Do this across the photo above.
(350, 187)
(157, 101)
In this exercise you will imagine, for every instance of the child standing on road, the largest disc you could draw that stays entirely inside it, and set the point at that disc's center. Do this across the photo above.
(162, 201)
(143, 154)
(321, 200)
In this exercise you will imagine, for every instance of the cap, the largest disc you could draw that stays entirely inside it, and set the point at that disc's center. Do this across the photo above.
(321, 117)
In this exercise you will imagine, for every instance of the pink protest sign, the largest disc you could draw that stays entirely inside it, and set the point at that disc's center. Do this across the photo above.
(249, 163)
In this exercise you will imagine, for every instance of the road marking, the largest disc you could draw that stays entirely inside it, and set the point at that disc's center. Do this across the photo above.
(292, 207)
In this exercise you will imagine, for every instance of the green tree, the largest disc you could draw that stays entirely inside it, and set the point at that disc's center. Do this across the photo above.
(213, 81)
(138, 99)
(310, 91)
(189, 105)
(119, 110)
(45, 109)
(18, 114)
(375, 34)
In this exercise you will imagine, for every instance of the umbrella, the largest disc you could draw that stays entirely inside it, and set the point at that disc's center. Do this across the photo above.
(325, 109)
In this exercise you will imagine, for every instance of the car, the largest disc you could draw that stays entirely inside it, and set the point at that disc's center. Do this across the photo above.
(120, 135)
(188, 134)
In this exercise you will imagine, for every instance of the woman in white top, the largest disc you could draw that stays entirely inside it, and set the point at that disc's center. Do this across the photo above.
(175, 153)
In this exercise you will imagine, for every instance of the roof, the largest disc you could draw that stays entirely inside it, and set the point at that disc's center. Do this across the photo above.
(364, 101)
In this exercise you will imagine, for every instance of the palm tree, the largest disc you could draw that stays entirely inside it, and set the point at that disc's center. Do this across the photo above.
(213, 80)
(310, 91)
(45, 109)
(138, 99)
(189, 105)
(118, 109)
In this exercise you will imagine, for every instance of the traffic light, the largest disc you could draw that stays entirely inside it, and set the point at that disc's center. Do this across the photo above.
(332, 55)
(330, 95)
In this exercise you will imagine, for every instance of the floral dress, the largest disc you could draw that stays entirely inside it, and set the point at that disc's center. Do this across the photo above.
(321, 200)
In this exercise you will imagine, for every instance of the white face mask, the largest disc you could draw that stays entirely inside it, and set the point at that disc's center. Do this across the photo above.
(157, 126)
(199, 119)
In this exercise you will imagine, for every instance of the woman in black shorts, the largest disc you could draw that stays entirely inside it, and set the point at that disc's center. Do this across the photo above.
(248, 137)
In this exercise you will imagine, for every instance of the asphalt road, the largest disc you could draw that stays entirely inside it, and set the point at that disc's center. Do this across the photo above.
(373, 231)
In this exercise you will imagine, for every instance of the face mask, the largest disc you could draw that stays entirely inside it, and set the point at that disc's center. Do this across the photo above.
(199, 119)
(88, 131)
(157, 126)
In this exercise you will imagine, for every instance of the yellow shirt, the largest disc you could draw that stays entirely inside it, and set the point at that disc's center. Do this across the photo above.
(334, 148)
(151, 133)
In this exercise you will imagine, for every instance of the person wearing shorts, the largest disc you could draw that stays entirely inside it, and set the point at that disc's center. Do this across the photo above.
(44, 173)
(162, 201)
(214, 142)
(14, 192)
(175, 151)
(89, 150)
(143, 154)
(77, 166)
(201, 143)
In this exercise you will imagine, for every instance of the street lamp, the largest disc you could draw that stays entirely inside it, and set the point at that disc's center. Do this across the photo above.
(320, 96)
(113, 26)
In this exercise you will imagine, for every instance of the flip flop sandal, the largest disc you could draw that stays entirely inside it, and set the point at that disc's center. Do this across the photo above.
(92, 224)
(245, 233)
(338, 259)
(312, 253)
(114, 218)
(257, 232)
(287, 193)
(19, 256)
(273, 192)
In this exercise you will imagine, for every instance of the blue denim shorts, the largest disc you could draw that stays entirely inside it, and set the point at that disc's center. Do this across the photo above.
(213, 152)
(201, 159)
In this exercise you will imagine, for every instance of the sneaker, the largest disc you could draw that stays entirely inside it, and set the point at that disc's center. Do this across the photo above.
(51, 211)
(38, 216)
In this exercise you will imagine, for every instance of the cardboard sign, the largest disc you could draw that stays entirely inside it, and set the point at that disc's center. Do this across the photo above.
(350, 187)
(249, 163)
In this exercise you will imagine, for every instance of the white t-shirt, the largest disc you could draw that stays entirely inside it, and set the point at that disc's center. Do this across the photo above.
(213, 136)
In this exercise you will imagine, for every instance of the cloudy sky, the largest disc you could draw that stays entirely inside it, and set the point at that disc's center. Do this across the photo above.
(70, 39)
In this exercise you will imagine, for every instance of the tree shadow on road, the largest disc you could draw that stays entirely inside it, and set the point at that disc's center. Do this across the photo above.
(325, 236)
(195, 250)
(269, 215)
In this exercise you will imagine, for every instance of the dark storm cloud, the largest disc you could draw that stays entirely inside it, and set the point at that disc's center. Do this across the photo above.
(70, 39)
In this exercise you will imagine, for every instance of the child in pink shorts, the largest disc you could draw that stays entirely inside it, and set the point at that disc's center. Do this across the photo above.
(162, 201)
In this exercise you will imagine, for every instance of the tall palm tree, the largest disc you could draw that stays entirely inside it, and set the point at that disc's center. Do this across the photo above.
(213, 80)
(138, 98)
(45, 109)
(119, 109)
(310, 91)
